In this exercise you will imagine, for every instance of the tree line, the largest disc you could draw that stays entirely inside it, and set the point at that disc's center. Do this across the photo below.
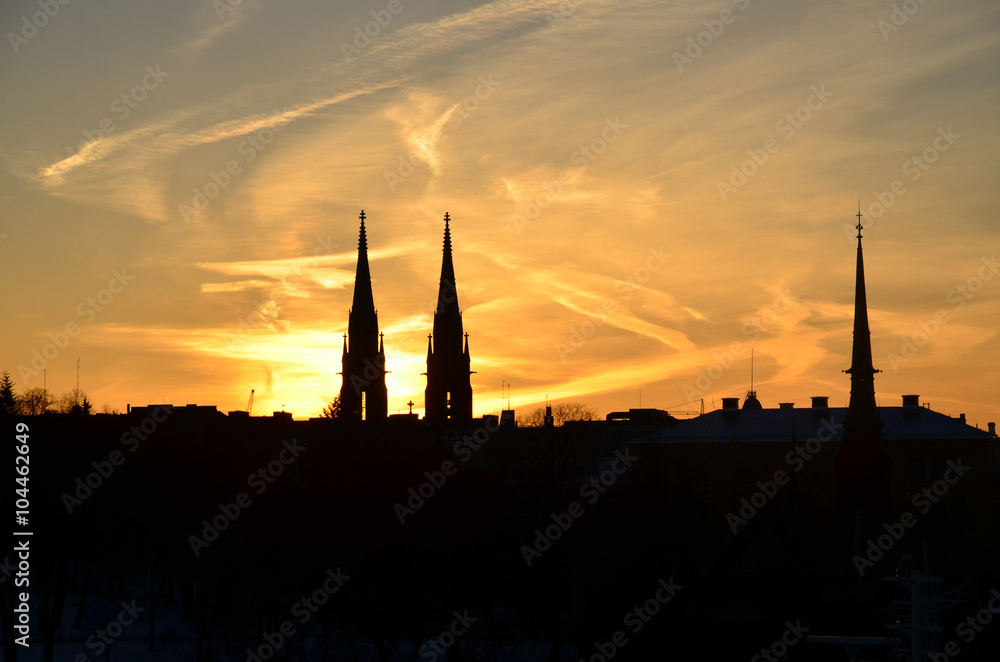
(37, 400)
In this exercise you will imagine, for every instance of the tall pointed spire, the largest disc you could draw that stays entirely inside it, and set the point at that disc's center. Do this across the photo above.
(447, 316)
(449, 390)
(364, 300)
(862, 371)
(363, 394)
(862, 463)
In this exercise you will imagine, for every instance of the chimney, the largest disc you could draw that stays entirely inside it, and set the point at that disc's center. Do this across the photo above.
(911, 401)
(786, 405)
(992, 428)
(820, 402)
(730, 403)
(961, 417)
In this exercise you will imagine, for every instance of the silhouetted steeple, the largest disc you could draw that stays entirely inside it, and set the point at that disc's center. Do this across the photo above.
(364, 300)
(862, 371)
(447, 316)
(363, 394)
(449, 389)
(862, 463)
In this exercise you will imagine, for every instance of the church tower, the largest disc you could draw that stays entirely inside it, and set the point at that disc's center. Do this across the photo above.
(363, 395)
(448, 396)
(862, 463)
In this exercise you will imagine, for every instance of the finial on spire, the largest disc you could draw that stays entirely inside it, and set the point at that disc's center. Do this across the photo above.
(362, 235)
(859, 226)
(447, 234)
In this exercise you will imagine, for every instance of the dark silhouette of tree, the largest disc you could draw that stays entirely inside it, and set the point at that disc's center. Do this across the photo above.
(34, 401)
(561, 413)
(73, 402)
(333, 409)
(8, 400)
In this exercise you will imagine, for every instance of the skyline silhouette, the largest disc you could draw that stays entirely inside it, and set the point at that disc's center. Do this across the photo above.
(626, 215)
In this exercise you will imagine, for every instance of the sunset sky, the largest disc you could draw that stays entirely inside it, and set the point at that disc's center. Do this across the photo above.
(206, 162)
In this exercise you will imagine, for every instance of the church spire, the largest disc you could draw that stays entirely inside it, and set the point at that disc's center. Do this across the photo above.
(862, 462)
(364, 300)
(363, 395)
(862, 371)
(449, 389)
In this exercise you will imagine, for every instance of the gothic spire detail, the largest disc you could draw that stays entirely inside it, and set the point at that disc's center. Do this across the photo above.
(363, 395)
(448, 396)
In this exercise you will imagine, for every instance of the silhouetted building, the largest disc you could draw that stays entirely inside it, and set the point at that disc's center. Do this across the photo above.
(448, 396)
(363, 395)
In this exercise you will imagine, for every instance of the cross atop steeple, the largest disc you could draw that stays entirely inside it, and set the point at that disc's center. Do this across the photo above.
(859, 226)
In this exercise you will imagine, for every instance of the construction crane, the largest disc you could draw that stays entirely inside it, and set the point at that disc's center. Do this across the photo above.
(684, 412)
(250, 403)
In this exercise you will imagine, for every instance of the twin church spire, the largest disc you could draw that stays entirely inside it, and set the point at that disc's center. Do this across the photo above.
(448, 396)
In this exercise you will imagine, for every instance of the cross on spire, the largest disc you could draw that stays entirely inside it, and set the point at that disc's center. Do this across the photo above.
(859, 226)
